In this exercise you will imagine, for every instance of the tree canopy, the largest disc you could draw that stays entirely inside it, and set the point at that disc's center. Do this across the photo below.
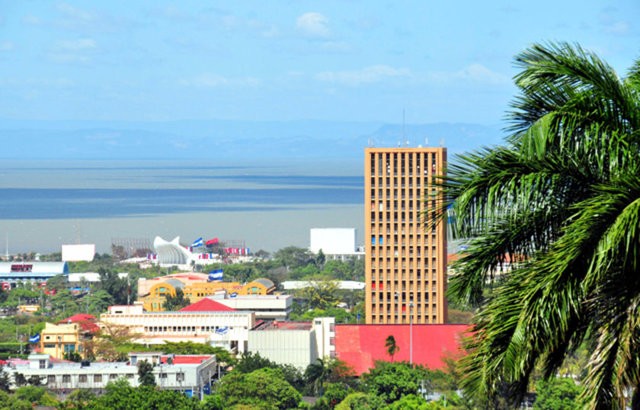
(561, 201)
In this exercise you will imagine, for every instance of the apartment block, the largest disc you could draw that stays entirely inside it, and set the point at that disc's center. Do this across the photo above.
(405, 262)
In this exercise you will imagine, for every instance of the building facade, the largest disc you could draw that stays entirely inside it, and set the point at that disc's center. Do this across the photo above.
(335, 243)
(225, 328)
(12, 273)
(195, 286)
(405, 263)
(190, 374)
(294, 343)
(56, 340)
(265, 307)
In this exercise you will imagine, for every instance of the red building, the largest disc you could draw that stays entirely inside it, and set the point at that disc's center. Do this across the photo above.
(361, 345)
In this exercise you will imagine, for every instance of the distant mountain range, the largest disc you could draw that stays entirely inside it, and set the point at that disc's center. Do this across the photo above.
(228, 139)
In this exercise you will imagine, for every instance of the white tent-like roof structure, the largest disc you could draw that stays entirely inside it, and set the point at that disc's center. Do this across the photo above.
(171, 252)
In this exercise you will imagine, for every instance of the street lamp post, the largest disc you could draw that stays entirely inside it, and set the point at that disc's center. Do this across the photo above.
(411, 334)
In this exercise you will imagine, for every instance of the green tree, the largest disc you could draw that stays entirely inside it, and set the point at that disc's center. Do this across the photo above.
(319, 294)
(250, 362)
(562, 197)
(64, 304)
(293, 257)
(115, 286)
(327, 370)
(98, 301)
(333, 394)
(121, 396)
(410, 402)
(35, 395)
(263, 388)
(58, 283)
(79, 399)
(391, 381)
(177, 302)
(320, 259)
(145, 373)
(391, 346)
(361, 401)
(559, 393)
(5, 382)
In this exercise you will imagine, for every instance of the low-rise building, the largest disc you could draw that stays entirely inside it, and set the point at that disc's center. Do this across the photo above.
(265, 307)
(191, 374)
(68, 336)
(335, 243)
(206, 321)
(360, 346)
(11, 273)
(294, 343)
(341, 284)
(195, 286)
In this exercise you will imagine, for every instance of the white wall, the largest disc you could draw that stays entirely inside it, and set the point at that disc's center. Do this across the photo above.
(333, 241)
(75, 253)
(293, 347)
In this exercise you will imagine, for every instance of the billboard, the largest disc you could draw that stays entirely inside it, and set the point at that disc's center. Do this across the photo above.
(76, 253)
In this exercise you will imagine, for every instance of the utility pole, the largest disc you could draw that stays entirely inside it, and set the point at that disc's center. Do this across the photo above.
(411, 334)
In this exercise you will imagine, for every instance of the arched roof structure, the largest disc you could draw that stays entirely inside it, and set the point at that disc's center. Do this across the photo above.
(171, 252)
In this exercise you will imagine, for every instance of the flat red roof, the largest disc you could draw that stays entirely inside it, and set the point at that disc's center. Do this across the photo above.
(361, 345)
(187, 359)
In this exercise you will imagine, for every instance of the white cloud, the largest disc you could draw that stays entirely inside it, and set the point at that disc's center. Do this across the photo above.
(611, 24)
(217, 81)
(313, 25)
(74, 51)
(75, 13)
(60, 82)
(80, 44)
(474, 73)
(617, 27)
(367, 75)
(480, 73)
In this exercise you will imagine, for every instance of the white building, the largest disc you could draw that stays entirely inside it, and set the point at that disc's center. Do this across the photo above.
(265, 307)
(191, 374)
(14, 272)
(203, 322)
(301, 284)
(91, 277)
(335, 243)
(296, 343)
(80, 252)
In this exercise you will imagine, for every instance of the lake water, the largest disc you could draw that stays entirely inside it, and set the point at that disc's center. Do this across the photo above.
(269, 205)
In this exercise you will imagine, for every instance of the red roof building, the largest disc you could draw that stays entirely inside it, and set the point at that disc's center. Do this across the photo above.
(185, 359)
(207, 305)
(86, 321)
(361, 346)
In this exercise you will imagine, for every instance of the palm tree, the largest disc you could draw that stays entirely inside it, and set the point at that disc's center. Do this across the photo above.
(561, 198)
(327, 370)
(391, 346)
(316, 374)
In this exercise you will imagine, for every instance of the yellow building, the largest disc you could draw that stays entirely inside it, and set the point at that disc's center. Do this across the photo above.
(28, 308)
(56, 340)
(195, 291)
(405, 264)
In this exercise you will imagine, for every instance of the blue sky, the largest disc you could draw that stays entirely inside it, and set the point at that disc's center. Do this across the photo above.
(354, 60)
